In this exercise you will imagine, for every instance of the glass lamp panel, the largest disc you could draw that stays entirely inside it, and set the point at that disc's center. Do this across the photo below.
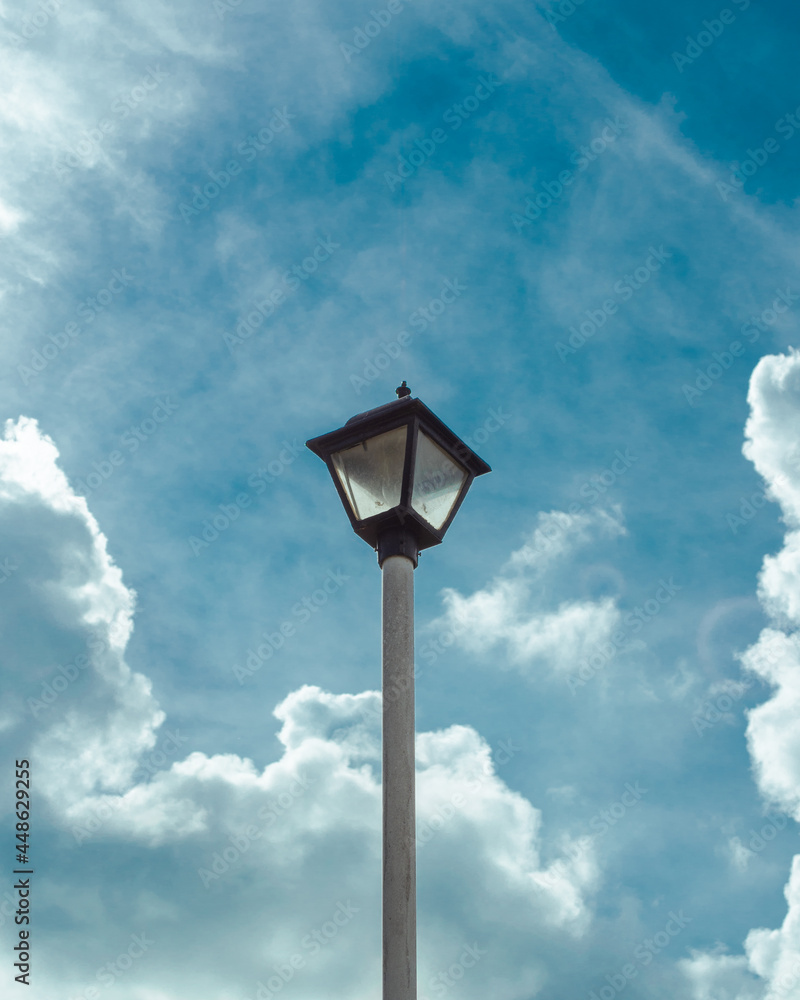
(437, 482)
(371, 473)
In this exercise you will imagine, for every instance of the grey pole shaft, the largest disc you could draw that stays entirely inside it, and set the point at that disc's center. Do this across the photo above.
(399, 833)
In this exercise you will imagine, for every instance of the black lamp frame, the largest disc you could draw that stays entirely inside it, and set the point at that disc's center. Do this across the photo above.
(401, 530)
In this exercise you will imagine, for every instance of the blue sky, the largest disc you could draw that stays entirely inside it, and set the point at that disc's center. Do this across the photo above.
(227, 229)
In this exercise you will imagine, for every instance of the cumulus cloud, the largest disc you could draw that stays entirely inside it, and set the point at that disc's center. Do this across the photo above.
(276, 861)
(717, 976)
(773, 448)
(771, 442)
(65, 593)
(772, 732)
(512, 610)
(770, 967)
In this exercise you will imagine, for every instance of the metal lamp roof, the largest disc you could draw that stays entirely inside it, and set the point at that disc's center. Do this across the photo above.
(393, 414)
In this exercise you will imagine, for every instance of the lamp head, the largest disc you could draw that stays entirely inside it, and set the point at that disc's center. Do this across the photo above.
(401, 474)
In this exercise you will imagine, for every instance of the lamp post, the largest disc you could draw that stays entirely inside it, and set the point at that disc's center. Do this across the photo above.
(401, 475)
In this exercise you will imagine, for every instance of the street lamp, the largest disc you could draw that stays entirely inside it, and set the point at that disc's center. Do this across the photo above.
(401, 474)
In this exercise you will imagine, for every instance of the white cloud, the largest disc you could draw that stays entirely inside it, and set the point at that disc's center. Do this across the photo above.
(739, 854)
(773, 735)
(770, 955)
(771, 441)
(773, 447)
(66, 594)
(772, 731)
(511, 612)
(775, 955)
(717, 976)
(305, 828)
(10, 218)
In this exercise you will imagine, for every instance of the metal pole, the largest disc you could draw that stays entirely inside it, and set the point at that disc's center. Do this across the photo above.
(399, 833)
